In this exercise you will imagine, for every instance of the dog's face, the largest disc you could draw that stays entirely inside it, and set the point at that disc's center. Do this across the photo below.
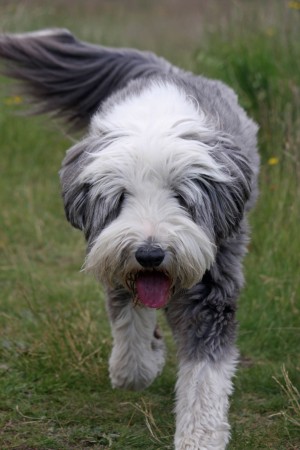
(150, 189)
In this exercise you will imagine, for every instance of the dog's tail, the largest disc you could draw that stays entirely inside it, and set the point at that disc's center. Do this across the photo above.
(71, 78)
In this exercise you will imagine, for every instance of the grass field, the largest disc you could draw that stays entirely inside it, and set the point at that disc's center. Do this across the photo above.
(54, 335)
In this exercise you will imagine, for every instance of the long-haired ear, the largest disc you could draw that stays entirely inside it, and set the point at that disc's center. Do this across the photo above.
(69, 77)
(75, 194)
(224, 203)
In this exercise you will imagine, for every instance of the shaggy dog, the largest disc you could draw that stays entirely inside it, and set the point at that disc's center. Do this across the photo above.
(160, 186)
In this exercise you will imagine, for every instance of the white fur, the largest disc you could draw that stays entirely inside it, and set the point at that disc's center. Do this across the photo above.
(137, 356)
(42, 33)
(188, 250)
(202, 405)
(155, 143)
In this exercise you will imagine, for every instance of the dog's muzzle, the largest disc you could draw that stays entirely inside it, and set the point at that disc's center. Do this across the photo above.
(151, 285)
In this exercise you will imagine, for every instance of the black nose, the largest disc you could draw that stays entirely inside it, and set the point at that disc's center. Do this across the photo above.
(150, 256)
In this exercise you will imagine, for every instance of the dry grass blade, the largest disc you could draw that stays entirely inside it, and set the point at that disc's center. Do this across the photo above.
(31, 418)
(293, 395)
(145, 409)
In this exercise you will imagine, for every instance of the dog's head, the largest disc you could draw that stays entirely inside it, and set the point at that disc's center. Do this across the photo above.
(156, 184)
(154, 188)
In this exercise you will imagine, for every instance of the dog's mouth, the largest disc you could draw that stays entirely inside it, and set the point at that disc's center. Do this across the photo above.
(150, 288)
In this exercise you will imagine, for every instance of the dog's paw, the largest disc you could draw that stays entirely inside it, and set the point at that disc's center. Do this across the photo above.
(198, 446)
(137, 368)
(208, 440)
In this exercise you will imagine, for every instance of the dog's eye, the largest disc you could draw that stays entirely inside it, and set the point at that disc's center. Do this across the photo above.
(120, 201)
(187, 205)
(182, 202)
(111, 208)
(122, 198)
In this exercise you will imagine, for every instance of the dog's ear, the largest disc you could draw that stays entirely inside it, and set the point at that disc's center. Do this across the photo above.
(85, 209)
(68, 77)
(75, 193)
(223, 203)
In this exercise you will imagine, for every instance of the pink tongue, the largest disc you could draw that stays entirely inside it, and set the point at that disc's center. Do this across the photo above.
(153, 289)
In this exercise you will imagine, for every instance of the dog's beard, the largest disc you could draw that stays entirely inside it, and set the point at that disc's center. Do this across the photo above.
(189, 252)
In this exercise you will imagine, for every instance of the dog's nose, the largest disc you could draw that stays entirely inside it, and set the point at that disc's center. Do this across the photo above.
(149, 256)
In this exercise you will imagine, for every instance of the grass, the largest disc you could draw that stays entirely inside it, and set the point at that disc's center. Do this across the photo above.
(54, 335)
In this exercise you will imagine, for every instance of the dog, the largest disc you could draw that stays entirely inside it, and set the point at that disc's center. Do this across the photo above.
(161, 185)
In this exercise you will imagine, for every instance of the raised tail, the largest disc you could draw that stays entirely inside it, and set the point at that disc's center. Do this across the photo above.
(71, 78)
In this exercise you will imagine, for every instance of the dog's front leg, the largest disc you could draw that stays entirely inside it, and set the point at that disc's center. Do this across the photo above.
(138, 353)
(204, 326)
(202, 390)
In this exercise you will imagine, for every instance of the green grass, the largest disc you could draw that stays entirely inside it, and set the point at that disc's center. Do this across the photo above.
(54, 335)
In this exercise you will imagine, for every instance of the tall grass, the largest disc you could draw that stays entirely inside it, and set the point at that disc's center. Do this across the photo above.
(54, 336)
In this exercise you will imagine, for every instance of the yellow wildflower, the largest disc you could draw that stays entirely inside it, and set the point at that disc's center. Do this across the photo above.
(270, 31)
(14, 100)
(294, 5)
(273, 161)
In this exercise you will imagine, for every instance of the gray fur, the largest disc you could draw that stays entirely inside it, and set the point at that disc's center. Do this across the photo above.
(203, 318)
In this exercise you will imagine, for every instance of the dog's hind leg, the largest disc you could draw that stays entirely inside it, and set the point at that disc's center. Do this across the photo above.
(138, 353)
